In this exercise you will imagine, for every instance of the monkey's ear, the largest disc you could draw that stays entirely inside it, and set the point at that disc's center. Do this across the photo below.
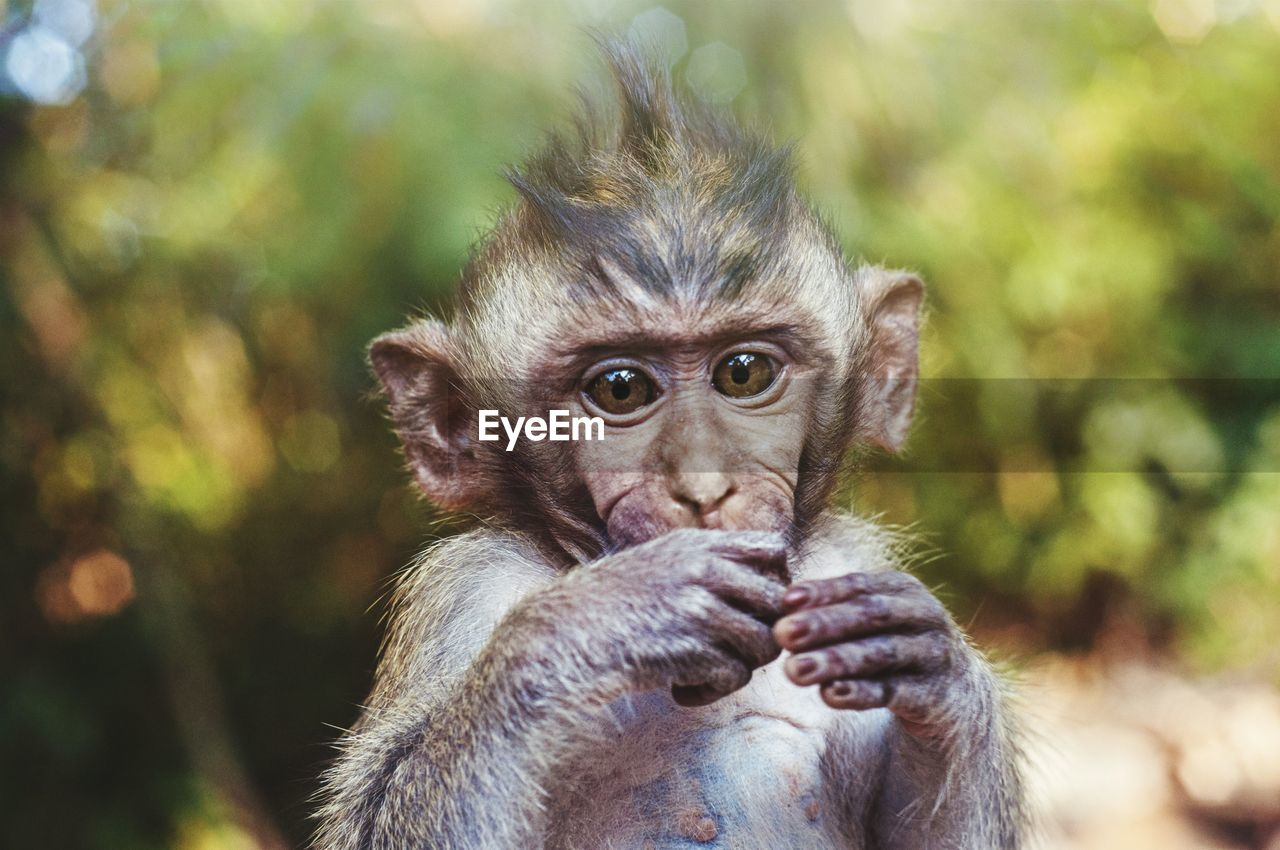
(893, 302)
(418, 371)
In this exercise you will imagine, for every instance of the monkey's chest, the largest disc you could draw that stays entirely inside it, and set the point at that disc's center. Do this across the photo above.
(743, 773)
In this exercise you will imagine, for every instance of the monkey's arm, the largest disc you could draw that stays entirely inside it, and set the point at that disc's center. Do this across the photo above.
(445, 753)
(950, 771)
(876, 638)
(955, 783)
(477, 705)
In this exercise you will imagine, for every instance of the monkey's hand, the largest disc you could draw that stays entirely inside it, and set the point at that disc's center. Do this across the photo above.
(873, 640)
(690, 610)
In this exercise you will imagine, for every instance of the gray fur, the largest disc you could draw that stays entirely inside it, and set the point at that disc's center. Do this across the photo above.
(448, 755)
(524, 694)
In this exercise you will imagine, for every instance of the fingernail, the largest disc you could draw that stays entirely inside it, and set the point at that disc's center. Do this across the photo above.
(796, 596)
(840, 689)
(797, 629)
(804, 666)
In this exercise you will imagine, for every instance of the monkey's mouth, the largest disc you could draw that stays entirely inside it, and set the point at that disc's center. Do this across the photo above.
(630, 525)
(645, 511)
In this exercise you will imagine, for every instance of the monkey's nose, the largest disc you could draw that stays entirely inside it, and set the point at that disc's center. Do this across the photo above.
(703, 492)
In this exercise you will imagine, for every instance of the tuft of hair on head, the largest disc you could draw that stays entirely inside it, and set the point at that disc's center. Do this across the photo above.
(663, 162)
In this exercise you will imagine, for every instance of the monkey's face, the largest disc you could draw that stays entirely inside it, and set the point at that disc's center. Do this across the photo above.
(725, 412)
(701, 430)
(666, 276)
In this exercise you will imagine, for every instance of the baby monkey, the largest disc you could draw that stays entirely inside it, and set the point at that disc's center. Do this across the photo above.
(666, 638)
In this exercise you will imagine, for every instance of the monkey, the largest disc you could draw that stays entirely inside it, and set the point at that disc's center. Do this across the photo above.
(668, 637)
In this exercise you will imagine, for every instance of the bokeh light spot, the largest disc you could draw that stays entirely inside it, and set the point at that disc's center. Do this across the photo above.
(1184, 21)
(72, 20)
(95, 585)
(131, 73)
(44, 67)
(661, 29)
(716, 72)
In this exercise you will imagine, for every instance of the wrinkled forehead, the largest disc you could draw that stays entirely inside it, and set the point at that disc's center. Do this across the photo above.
(541, 314)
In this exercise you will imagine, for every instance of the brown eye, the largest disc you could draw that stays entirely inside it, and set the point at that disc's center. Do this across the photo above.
(620, 391)
(744, 374)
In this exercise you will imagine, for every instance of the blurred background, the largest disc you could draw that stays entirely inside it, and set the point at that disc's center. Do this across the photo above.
(208, 207)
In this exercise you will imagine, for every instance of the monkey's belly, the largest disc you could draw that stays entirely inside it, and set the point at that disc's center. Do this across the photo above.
(743, 773)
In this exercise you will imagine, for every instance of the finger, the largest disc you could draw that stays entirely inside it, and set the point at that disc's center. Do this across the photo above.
(857, 694)
(869, 657)
(918, 702)
(819, 592)
(748, 638)
(763, 550)
(747, 590)
(914, 700)
(718, 682)
(859, 617)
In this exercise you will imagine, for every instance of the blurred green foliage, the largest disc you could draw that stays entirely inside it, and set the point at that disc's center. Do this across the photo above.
(200, 503)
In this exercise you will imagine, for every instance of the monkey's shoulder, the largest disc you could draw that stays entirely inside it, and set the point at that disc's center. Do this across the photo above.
(490, 569)
(446, 604)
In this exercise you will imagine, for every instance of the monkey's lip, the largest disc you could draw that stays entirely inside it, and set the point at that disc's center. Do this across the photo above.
(712, 519)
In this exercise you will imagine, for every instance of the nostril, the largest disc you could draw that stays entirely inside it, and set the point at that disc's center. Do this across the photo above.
(720, 500)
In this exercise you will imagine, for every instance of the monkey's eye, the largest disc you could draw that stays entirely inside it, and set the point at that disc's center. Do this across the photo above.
(621, 391)
(744, 374)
